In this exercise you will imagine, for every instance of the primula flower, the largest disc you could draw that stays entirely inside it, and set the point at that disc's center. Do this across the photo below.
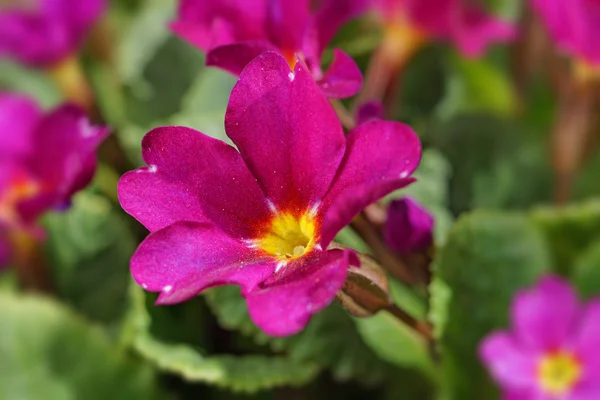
(44, 160)
(262, 216)
(408, 227)
(410, 23)
(233, 32)
(573, 27)
(552, 351)
(44, 32)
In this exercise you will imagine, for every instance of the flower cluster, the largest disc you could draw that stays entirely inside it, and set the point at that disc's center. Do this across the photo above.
(234, 32)
(44, 159)
(552, 351)
(43, 32)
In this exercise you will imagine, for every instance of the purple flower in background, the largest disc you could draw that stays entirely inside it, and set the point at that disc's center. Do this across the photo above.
(408, 227)
(573, 25)
(409, 23)
(44, 32)
(552, 351)
(44, 159)
(262, 217)
(369, 111)
(233, 32)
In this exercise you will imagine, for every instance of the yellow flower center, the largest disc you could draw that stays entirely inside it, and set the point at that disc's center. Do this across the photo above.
(289, 237)
(558, 372)
(401, 39)
(20, 189)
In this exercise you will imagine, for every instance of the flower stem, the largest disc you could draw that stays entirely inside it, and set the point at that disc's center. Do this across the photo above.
(30, 263)
(369, 233)
(422, 327)
(346, 118)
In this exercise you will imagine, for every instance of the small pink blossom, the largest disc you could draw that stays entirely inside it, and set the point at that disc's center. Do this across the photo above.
(44, 159)
(263, 215)
(573, 25)
(43, 32)
(551, 353)
(465, 24)
(233, 32)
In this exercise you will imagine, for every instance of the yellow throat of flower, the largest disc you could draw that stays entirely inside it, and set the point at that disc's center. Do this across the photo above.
(289, 237)
(558, 372)
(401, 39)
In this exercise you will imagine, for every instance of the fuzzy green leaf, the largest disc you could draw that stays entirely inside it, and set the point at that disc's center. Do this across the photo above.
(50, 353)
(487, 258)
(238, 373)
(586, 271)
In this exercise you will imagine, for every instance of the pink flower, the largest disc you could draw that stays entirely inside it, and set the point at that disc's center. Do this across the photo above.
(44, 159)
(552, 351)
(573, 25)
(409, 227)
(233, 32)
(43, 32)
(410, 22)
(262, 216)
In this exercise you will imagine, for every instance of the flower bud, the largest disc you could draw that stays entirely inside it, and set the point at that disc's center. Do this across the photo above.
(409, 227)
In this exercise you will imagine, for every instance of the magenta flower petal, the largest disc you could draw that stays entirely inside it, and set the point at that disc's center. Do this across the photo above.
(287, 22)
(332, 15)
(380, 156)
(543, 316)
(283, 306)
(49, 32)
(17, 108)
(511, 365)
(5, 251)
(233, 58)
(478, 30)
(408, 227)
(343, 78)
(209, 24)
(285, 130)
(589, 390)
(371, 110)
(192, 177)
(587, 340)
(187, 257)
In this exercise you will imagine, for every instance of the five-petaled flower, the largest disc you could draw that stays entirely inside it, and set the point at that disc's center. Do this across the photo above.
(552, 351)
(234, 32)
(410, 23)
(262, 216)
(44, 160)
(42, 33)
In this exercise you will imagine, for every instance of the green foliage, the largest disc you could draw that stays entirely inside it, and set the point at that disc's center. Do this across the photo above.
(330, 339)
(34, 83)
(569, 230)
(238, 373)
(89, 247)
(586, 271)
(487, 257)
(50, 353)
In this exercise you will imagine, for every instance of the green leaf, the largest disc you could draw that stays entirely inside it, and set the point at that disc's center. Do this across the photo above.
(586, 272)
(488, 256)
(17, 78)
(440, 296)
(239, 373)
(50, 353)
(348, 237)
(330, 339)
(89, 248)
(396, 342)
(569, 230)
(146, 33)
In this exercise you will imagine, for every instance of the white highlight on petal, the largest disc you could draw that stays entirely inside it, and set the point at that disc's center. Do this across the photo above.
(271, 206)
(313, 210)
(86, 128)
(318, 246)
(251, 244)
(167, 288)
(280, 265)
(144, 286)
(152, 168)
(403, 175)
(291, 76)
